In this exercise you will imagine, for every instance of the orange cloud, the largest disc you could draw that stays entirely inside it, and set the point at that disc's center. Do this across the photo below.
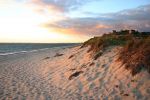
(43, 7)
(79, 28)
(61, 5)
(70, 31)
(100, 26)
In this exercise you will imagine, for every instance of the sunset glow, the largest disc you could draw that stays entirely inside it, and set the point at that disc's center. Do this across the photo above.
(50, 21)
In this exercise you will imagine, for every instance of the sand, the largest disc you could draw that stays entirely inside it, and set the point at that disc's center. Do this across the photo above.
(69, 74)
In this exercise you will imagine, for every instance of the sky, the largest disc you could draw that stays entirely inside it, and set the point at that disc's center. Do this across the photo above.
(69, 21)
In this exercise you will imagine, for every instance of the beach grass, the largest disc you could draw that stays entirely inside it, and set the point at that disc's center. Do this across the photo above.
(135, 52)
(136, 55)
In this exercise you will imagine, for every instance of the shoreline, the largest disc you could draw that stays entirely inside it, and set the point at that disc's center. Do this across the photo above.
(22, 54)
(35, 50)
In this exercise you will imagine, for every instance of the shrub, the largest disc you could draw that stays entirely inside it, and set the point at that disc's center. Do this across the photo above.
(99, 43)
(135, 55)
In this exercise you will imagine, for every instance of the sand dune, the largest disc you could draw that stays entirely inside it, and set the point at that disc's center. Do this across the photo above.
(73, 75)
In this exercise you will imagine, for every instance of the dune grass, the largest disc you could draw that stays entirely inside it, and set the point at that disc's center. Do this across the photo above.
(99, 43)
(136, 55)
(135, 52)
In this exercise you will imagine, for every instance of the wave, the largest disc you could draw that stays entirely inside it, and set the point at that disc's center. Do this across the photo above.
(21, 52)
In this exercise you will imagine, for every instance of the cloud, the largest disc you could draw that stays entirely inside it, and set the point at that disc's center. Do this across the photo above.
(140, 13)
(137, 18)
(84, 26)
(59, 5)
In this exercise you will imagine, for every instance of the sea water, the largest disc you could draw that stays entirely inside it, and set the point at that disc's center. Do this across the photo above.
(12, 48)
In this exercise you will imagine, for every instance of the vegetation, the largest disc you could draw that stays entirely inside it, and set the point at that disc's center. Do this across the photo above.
(135, 54)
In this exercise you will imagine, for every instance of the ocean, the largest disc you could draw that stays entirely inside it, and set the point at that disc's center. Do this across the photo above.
(12, 48)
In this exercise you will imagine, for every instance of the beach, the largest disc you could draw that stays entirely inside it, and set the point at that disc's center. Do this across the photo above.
(69, 73)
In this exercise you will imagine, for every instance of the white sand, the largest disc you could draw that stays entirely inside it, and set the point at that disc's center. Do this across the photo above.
(41, 76)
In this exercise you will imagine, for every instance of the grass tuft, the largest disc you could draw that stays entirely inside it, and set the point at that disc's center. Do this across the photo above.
(135, 54)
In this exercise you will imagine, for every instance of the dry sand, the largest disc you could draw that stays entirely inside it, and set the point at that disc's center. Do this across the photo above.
(43, 75)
